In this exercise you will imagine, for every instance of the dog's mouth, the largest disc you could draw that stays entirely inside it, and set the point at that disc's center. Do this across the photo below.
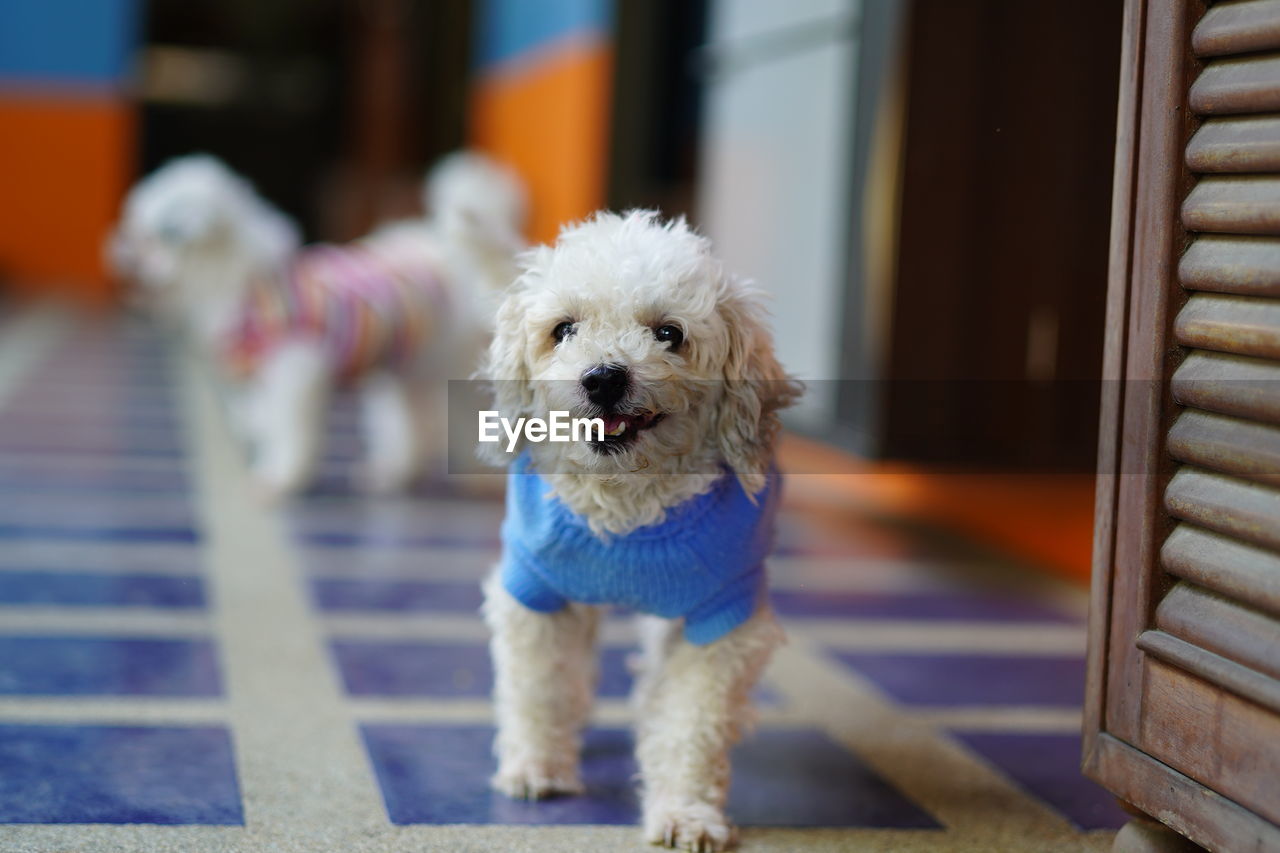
(621, 430)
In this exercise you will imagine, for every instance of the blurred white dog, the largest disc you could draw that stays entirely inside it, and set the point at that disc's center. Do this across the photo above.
(395, 313)
(669, 514)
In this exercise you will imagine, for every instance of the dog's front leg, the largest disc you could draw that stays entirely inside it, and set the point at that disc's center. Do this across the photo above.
(692, 713)
(393, 434)
(544, 676)
(291, 394)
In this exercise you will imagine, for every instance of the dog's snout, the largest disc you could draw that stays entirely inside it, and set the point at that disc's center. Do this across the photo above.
(605, 384)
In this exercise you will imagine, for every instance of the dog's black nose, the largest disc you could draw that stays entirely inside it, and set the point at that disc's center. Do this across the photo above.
(605, 384)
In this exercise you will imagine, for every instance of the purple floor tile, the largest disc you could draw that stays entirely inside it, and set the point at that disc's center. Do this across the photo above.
(117, 774)
(125, 558)
(399, 565)
(397, 595)
(112, 448)
(439, 774)
(914, 605)
(94, 533)
(35, 475)
(963, 679)
(126, 422)
(392, 540)
(100, 589)
(71, 511)
(407, 668)
(802, 778)
(119, 488)
(378, 668)
(1048, 766)
(93, 666)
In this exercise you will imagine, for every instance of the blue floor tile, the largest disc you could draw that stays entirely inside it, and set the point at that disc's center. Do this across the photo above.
(136, 449)
(397, 595)
(117, 774)
(83, 666)
(176, 560)
(105, 490)
(35, 476)
(100, 589)
(1048, 766)
(964, 679)
(378, 668)
(439, 774)
(464, 596)
(378, 540)
(801, 778)
(92, 533)
(454, 670)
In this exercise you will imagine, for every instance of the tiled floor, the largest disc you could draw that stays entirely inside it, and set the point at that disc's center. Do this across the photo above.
(183, 670)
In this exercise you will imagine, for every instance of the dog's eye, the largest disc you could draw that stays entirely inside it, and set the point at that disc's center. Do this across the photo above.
(669, 335)
(563, 331)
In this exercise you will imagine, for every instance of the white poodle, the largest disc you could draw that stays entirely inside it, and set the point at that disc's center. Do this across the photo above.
(395, 314)
(670, 515)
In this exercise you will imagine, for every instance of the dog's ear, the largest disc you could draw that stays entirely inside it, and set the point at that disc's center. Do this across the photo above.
(506, 366)
(755, 388)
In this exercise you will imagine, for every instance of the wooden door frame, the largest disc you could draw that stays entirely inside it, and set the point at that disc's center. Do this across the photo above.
(1147, 237)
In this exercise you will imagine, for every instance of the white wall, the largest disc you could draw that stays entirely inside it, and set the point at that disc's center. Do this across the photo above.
(776, 157)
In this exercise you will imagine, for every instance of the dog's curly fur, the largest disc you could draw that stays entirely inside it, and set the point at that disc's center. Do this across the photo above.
(615, 279)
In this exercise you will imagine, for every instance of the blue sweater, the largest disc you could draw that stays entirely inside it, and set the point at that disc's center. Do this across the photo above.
(704, 562)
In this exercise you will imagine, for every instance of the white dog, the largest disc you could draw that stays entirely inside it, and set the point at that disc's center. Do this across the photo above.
(395, 313)
(671, 514)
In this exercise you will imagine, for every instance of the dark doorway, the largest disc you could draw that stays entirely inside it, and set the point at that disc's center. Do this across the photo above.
(995, 340)
(332, 107)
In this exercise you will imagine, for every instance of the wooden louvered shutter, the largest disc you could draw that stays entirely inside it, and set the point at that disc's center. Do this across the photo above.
(1183, 715)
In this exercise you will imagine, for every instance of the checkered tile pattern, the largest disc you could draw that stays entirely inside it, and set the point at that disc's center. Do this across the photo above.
(182, 669)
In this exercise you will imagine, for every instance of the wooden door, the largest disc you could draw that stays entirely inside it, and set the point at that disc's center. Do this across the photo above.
(1183, 715)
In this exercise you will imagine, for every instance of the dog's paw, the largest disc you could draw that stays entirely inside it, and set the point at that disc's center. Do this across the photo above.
(700, 827)
(535, 780)
(275, 484)
(271, 494)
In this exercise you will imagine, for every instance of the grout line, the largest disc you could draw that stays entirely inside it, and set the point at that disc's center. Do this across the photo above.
(917, 636)
(302, 768)
(76, 460)
(610, 713)
(25, 341)
(1005, 720)
(941, 638)
(103, 621)
(618, 712)
(111, 711)
(962, 791)
(442, 627)
(490, 838)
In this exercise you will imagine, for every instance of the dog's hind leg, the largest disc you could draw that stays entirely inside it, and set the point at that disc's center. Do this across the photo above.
(393, 430)
(291, 396)
(544, 679)
(691, 714)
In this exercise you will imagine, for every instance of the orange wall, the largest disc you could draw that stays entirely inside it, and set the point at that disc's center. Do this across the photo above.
(550, 122)
(63, 169)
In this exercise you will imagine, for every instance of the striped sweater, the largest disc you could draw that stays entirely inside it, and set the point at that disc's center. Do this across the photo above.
(370, 303)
